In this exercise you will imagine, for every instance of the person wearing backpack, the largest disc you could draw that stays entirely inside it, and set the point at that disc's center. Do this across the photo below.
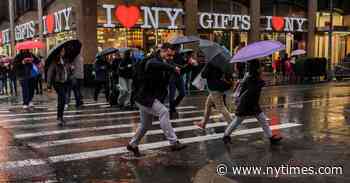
(248, 103)
(217, 85)
(102, 70)
(151, 81)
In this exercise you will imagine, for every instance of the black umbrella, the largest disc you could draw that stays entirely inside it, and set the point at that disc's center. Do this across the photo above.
(72, 50)
(106, 52)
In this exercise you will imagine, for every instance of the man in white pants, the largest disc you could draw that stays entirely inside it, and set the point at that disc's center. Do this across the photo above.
(150, 84)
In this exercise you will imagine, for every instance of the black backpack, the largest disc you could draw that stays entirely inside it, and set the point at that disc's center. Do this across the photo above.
(140, 74)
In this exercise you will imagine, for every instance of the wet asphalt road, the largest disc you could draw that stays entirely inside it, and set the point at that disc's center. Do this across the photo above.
(91, 148)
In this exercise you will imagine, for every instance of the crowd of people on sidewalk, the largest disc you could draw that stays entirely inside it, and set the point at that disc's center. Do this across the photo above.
(147, 84)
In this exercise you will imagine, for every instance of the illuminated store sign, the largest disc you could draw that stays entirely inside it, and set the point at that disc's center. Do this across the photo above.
(128, 16)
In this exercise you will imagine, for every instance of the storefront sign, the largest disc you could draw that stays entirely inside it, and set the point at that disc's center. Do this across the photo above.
(129, 15)
(5, 36)
(242, 22)
(286, 24)
(25, 31)
(224, 21)
(58, 21)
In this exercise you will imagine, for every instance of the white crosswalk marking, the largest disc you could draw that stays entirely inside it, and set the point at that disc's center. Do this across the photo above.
(33, 130)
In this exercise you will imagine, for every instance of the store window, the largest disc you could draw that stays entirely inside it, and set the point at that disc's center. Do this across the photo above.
(55, 39)
(136, 36)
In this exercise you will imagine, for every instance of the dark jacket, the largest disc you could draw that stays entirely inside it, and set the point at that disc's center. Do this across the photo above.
(102, 68)
(115, 69)
(249, 97)
(155, 82)
(215, 78)
(181, 62)
(58, 73)
(24, 71)
(126, 68)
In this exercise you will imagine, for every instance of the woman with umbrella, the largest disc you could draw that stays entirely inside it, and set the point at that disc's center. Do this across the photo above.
(58, 76)
(249, 89)
(60, 71)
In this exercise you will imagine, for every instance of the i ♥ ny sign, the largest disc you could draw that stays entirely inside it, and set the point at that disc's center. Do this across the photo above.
(129, 15)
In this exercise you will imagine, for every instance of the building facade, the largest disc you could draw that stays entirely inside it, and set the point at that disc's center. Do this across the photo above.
(143, 24)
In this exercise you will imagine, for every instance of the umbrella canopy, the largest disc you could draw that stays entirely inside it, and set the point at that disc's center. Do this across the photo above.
(298, 52)
(257, 50)
(106, 52)
(184, 39)
(27, 45)
(72, 48)
(216, 54)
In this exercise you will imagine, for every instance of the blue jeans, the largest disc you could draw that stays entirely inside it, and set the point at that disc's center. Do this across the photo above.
(28, 87)
(176, 83)
(13, 86)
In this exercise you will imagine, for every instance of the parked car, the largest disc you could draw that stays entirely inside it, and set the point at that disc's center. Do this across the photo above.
(342, 70)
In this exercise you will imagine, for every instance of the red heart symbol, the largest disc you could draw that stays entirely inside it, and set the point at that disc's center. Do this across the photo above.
(278, 23)
(127, 15)
(49, 23)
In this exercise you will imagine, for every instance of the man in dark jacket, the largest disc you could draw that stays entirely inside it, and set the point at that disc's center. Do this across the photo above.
(248, 104)
(102, 69)
(217, 85)
(177, 83)
(150, 92)
(125, 79)
(24, 67)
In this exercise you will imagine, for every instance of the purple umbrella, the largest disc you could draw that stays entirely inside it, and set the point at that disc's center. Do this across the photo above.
(257, 50)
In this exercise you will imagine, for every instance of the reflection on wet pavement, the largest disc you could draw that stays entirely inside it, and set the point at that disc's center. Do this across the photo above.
(313, 119)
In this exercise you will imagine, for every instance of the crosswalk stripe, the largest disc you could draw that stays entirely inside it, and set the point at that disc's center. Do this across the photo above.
(80, 111)
(6, 121)
(123, 135)
(109, 127)
(121, 150)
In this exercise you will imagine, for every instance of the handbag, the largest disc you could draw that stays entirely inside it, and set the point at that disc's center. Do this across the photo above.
(35, 71)
(199, 82)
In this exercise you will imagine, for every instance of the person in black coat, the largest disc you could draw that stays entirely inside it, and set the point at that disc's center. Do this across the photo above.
(23, 64)
(248, 103)
(125, 79)
(102, 70)
(150, 91)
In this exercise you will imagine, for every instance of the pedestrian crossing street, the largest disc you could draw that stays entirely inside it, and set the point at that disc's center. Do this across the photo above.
(97, 131)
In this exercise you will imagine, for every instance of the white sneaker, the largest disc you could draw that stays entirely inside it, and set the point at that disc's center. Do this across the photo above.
(25, 107)
(66, 106)
(31, 104)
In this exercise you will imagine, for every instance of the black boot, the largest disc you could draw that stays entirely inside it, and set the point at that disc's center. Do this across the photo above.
(134, 150)
(275, 139)
(227, 140)
(177, 146)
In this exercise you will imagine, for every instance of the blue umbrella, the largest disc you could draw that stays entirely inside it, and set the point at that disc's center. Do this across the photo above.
(257, 50)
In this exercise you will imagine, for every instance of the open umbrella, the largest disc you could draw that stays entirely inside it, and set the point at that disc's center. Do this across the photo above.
(257, 50)
(72, 49)
(215, 54)
(186, 50)
(27, 45)
(184, 39)
(106, 52)
(298, 52)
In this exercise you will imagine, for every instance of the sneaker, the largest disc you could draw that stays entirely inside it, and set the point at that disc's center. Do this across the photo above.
(31, 104)
(200, 125)
(134, 150)
(66, 106)
(227, 140)
(177, 146)
(275, 139)
(25, 107)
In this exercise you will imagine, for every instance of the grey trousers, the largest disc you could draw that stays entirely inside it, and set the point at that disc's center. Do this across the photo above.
(125, 91)
(146, 114)
(238, 120)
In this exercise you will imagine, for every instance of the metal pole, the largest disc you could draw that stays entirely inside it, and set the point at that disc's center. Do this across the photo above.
(330, 35)
(41, 27)
(12, 27)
